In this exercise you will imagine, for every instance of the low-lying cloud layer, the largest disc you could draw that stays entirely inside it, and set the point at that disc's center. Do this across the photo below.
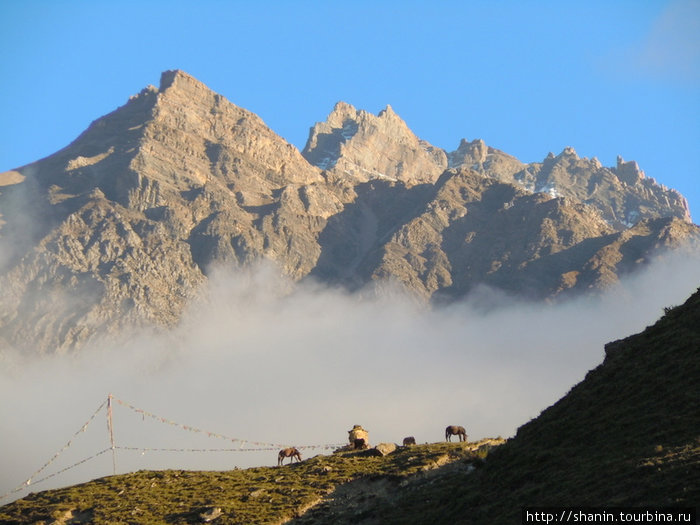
(268, 362)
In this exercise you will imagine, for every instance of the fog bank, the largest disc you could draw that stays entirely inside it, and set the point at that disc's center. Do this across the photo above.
(269, 362)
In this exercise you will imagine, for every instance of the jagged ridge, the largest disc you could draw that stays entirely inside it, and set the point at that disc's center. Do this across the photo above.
(131, 216)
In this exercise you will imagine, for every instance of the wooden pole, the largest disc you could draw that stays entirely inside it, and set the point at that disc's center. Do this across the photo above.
(110, 426)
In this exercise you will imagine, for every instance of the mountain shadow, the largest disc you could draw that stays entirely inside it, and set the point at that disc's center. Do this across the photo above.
(352, 239)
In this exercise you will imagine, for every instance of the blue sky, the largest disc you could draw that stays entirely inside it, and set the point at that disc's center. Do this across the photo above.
(606, 77)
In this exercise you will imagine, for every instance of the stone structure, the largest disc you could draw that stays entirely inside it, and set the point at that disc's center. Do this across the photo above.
(358, 437)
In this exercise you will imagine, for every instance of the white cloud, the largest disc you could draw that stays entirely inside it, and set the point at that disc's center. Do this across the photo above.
(673, 46)
(669, 52)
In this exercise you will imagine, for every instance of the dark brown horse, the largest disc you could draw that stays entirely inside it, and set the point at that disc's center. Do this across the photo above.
(454, 430)
(290, 452)
(410, 440)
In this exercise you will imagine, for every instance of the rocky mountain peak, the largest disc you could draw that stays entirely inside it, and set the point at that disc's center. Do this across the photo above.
(145, 92)
(342, 111)
(388, 112)
(132, 215)
(484, 159)
(569, 151)
(628, 172)
(359, 146)
(179, 80)
(469, 153)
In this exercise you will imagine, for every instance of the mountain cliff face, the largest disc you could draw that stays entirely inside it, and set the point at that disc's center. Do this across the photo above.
(120, 228)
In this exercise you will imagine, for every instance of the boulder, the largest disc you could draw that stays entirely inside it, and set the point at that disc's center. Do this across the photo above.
(385, 448)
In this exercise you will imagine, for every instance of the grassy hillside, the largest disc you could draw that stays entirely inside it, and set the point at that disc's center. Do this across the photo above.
(629, 434)
(256, 495)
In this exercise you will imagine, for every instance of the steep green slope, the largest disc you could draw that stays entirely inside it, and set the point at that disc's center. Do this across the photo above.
(629, 434)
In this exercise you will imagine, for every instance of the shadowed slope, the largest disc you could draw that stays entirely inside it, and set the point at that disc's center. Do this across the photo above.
(628, 435)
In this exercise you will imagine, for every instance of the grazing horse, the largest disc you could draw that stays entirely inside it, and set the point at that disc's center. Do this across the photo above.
(290, 452)
(410, 440)
(454, 430)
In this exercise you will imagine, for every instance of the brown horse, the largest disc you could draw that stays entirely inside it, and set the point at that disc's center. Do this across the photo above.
(410, 440)
(454, 430)
(290, 452)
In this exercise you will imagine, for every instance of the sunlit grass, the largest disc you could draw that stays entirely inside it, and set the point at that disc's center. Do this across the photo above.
(255, 495)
